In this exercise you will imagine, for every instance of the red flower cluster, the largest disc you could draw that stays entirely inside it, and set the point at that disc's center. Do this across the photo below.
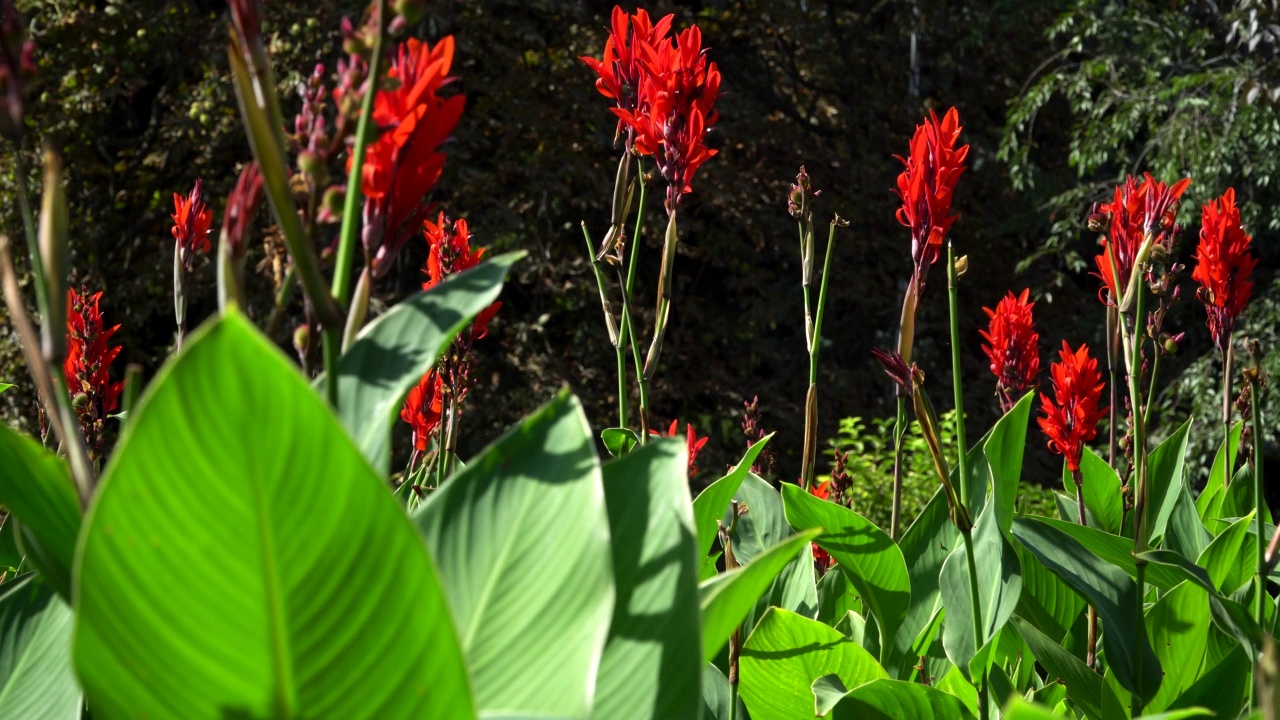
(242, 205)
(1223, 266)
(620, 69)
(1012, 347)
(405, 163)
(822, 491)
(448, 253)
(926, 185)
(1071, 418)
(191, 220)
(675, 88)
(88, 359)
(423, 408)
(1136, 211)
(693, 442)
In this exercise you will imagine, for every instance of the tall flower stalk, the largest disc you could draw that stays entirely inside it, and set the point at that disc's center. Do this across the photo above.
(1141, 216)
(191, 221)
(1070, 420)
(1224, 269)
(665, 89)
(925, 186)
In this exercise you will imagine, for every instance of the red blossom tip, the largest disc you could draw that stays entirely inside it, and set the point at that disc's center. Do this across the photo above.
(1071, 417)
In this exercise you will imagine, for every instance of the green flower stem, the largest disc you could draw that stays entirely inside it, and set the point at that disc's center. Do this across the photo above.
(609, 322)
(1228, 358)
(1255, 397)
(287, 284)
(815, 344)
(899, 432)
(628, 333)
(1151, 387)
(351, 202)
(1133, 343)
(953, 304)
(979, 634)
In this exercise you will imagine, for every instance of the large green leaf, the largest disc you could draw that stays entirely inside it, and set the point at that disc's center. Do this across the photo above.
(1178, 625)
(521, 537)
(1101, 491)
(710, 505)
(241, 558)
(728, 598)
(393, 352)
(1229, 616)
(1186, 534)
(1209, 504)
(1223, 689)
(1046, 601)
(36, 486)
(1109, 589)
(1003, 454)
(893, 700)
(763, 526)
(1084, 686)
(1228, 559)
(653, 657)
(1238, 499)
(925, 547)
(786, 653)
(1114, 549)
(999, 582)
(1166, 468)
(718, 697)
(871, 561)
(36, 680)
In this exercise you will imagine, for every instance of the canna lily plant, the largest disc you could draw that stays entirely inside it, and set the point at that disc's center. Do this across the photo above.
(246, 550)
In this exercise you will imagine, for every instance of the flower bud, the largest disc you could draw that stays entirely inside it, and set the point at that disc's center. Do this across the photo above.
(302, 339)
(80, 403)
(1097, 221)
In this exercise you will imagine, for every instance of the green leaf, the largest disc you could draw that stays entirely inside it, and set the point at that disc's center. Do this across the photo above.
(1209, 504)
(1228, 559)
(36, 486)
(36, 680)
(1115, 550)
(1084, 686)
(1223, 688)
(1046, 601)
(393, 352)
(710, 505)
(870, 560)
(728, 598)
(10, 555)
(1186, 534)
(1238, 499)
(1101, 491)
(1166, 468)
(999, 585)
(763, 526)
(836, 597)
(785, 654)
(925, 547)
(895, 700)
(5, 386)
(1003, 452)
(619, 441)
(1228, 615)
(652, 657)
(1108, 588)
(717, 696)
(1178, 625)
(225, 564)
(954, 683)
(1019, 709)
(521, 537)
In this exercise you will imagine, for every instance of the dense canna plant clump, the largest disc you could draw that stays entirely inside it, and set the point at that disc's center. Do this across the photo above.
(246, 549)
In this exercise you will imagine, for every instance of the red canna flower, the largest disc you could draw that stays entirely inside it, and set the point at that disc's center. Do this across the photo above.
(191, 220)
(822, 491)
(1223, 266)
(87, 367)
(1135, 211)
(1071, 418)
(423, 408)
(693, 442)
(620, 69)
(1012, 347)
(448, 253)
(404, 164)
(242, 205)
(675, 109)
(926, 185)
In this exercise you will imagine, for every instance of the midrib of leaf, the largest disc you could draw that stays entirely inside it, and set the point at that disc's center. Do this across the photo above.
(285, 702)
(487, 592)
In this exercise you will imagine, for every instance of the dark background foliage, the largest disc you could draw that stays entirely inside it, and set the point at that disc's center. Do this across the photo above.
(1059, 98)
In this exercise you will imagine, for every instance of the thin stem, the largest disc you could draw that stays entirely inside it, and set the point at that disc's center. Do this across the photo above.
(899, 431)
(1091, 651)
(1113, 340)
(1151, 387)
(351, 203)
(29, 227)
(627, 335)
(953, 303)
(1134, 345)
(1255, 397)
(815, 343)
(1227, 361)
(610, 324)
(979, 632)
(332, 345)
